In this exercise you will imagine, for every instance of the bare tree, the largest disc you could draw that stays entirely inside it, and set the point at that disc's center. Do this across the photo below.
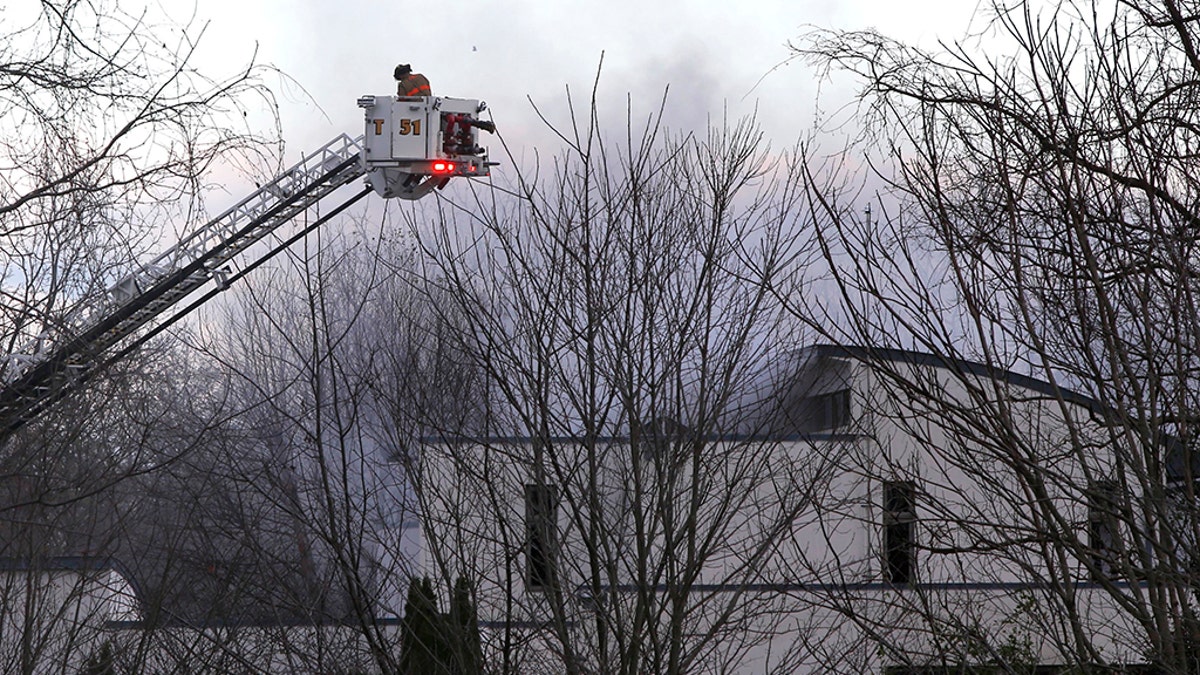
(563, 389)
(109, 130)
(301, 348)
(617, 503)
(1038, 214)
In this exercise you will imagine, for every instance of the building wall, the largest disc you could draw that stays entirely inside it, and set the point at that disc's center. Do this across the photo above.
(1001, 482)
(54, 619)
(792, 574)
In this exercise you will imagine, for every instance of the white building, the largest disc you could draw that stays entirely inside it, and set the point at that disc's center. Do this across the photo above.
(853, 511)
(58, 611)
(856, 511)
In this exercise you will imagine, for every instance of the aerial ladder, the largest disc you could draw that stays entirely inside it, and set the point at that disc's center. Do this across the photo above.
(411, 146)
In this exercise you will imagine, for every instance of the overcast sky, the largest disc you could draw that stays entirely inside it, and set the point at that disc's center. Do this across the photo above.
(712, 55)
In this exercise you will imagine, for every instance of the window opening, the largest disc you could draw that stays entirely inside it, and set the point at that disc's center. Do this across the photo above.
(541, 518)
(1103, 532)
(899, 532)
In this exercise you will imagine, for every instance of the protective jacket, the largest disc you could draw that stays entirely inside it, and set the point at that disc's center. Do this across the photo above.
(413, 84)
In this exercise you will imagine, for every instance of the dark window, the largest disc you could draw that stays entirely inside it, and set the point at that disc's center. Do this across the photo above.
(899, 532)
(1103, 532)
(541, 533)
(825, 412)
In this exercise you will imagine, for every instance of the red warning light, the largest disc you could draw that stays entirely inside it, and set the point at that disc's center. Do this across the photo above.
(443, 167)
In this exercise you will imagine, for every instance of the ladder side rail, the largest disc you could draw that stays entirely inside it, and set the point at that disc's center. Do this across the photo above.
(126, 318)
(17, 416)
(286, 184)
(43, 379)
(283, 186)
(143, 307)
(255, 231)
(324, 163)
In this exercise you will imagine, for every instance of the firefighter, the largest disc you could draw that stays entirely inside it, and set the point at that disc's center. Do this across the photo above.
(409, 83)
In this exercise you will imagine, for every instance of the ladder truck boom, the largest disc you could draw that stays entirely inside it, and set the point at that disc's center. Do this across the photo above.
(411, 146)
